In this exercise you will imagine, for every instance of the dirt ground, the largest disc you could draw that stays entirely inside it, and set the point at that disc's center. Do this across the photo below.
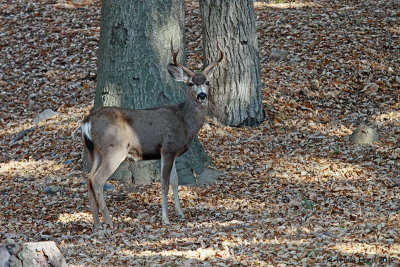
(294, 191)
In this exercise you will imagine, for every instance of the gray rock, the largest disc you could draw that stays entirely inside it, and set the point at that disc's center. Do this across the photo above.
(4, 256)
(146, 172)
(50, 190)
(207, 177)
(278, 54)
(32, 254)
(44, 115)
(364, 135)
(141, 172)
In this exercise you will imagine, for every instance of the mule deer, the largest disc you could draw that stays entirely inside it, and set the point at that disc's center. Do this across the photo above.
(111, 134)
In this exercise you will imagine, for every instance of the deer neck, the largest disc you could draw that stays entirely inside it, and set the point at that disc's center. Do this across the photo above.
(194, 115)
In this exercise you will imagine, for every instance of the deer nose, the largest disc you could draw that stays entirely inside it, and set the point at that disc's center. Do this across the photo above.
(202, 96)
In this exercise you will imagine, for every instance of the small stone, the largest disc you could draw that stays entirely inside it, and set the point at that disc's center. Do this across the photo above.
(189, 243)
(44, 115)
(364, 135)
(50, 190)
(108, 187)
(278, 54)
(207, 177)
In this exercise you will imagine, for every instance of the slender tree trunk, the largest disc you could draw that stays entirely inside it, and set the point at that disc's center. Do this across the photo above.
(134, 51)
(235, 98)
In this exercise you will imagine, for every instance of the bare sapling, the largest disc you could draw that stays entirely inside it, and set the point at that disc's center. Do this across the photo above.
(111, 134)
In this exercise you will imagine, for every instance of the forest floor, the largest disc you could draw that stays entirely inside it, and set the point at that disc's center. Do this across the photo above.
(293, 191)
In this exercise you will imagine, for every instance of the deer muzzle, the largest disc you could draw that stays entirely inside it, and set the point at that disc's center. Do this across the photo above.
(202, 96)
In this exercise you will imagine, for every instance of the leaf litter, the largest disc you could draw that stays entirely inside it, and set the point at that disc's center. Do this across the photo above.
(293, 191)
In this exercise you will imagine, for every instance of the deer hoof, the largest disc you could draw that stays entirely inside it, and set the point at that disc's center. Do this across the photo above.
(180, 215)
(181, 218)
(102, 233)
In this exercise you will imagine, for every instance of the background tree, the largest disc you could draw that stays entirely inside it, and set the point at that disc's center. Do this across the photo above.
(134, 51)
(235, 98)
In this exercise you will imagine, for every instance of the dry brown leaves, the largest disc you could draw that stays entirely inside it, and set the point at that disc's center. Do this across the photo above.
(294, 190)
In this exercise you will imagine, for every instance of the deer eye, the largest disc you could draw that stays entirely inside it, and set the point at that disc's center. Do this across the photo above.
(191, 84)
(207, 82)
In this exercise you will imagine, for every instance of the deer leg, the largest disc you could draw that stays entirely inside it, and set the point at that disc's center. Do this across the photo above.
(174, 185)
(108, 165)
(167, 162)
(92, 199)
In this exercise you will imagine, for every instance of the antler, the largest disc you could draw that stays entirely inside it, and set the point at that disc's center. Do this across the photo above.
(212, 65)
(174, 55)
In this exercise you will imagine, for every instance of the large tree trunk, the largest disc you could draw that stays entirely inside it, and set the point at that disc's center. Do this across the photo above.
(235, 98)
(134, 51)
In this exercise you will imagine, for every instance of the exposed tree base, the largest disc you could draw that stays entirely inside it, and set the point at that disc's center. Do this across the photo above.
(192, 163)
(250, 121)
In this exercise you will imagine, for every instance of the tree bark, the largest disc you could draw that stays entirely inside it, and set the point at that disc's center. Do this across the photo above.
(236, 97)
(134, 51)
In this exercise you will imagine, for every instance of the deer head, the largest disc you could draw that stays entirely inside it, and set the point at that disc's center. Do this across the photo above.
(198, 83)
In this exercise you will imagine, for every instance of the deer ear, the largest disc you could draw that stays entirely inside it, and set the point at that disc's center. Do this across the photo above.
(177, 73)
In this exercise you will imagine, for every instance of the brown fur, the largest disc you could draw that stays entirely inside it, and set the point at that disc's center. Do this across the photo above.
(163, 132)
(130, 129)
